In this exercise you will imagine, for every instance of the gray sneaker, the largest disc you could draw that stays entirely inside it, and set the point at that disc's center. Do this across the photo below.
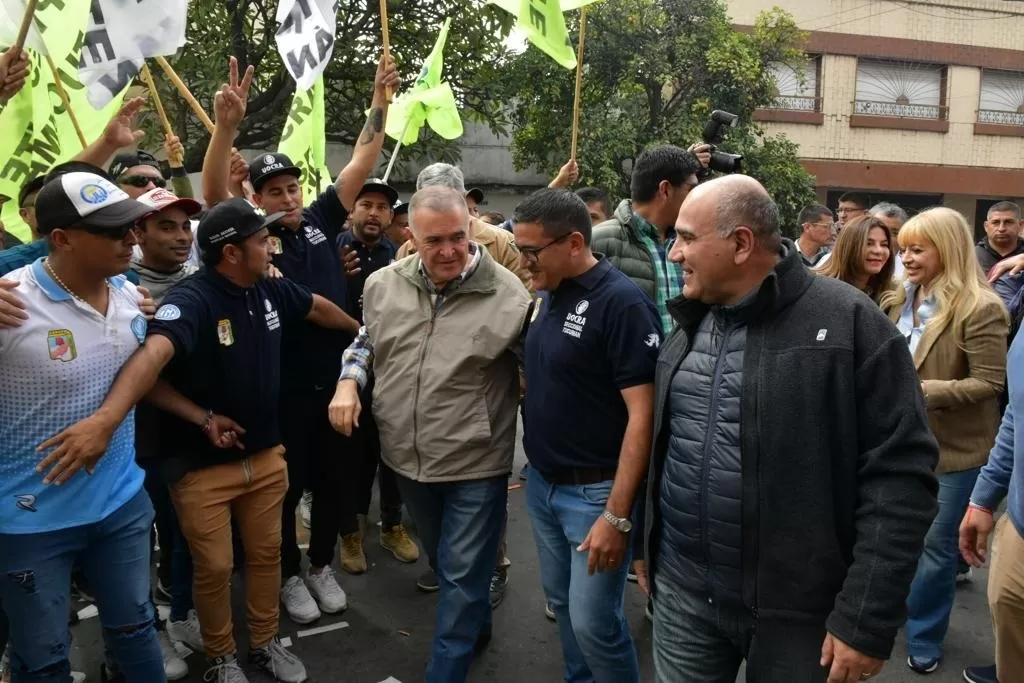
(225, 670)
(277, 661)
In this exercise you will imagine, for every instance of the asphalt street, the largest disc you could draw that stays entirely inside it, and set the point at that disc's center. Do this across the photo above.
(384, 636)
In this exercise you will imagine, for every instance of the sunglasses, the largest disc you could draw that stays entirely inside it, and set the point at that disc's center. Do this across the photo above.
(116, 233)
(143, 181)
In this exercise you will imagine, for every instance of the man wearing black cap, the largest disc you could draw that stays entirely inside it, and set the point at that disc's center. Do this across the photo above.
(218, 335)
(303, 246)
(474, 198)
(83, 323)
(398, 230)
(139, 172)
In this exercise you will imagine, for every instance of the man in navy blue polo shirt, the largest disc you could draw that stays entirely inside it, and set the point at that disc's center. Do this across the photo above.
(303, 247)
(591, 351)
(217, 338)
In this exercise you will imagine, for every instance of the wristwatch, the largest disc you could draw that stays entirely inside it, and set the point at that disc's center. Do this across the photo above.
(621, 523)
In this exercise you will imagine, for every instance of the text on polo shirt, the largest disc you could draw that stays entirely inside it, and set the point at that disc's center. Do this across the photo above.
(314, 235)
(273, 320)
(574, 322)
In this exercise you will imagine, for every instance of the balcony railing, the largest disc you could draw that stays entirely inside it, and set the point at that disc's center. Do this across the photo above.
(796, 103)
(1003, 118)
(905, 111)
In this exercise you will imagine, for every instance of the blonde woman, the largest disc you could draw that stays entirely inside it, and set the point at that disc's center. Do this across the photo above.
(956, 327)
(863, 256)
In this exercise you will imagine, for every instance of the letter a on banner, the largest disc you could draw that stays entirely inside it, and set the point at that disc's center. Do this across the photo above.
(305, 38)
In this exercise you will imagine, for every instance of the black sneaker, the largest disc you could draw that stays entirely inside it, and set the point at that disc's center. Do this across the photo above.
(981, 674)
(499, 582)
(428, 582)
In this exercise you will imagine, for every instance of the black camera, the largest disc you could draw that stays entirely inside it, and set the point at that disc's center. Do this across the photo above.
(714, 134)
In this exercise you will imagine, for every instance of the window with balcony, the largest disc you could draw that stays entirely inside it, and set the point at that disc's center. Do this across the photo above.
(796, 93)
(904, 95)
(1001, 105)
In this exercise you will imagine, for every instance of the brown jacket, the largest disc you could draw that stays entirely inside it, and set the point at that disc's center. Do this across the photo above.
(963, 376)
(496, 241)
(446, 379)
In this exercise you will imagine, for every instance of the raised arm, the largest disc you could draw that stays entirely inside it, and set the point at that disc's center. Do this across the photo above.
(120, 132)
(229, 105)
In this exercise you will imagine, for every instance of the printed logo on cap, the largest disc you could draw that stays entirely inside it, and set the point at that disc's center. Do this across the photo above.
(93, 194)
(89, 192)
(269, 159)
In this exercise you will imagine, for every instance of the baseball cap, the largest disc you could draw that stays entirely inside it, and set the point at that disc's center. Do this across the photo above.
(378, 185)
(122, 162)
(401, 207)
(476, 193)
(85, 200)
(159, 199)
(269, 166)
(231, 222)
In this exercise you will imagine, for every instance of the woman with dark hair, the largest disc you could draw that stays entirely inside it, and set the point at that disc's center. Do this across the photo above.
(863, 257)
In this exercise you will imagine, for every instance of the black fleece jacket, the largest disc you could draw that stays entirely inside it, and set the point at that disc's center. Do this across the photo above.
(837, 457)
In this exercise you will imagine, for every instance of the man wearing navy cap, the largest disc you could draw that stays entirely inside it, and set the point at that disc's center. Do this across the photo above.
(303, 246)
(398, 230)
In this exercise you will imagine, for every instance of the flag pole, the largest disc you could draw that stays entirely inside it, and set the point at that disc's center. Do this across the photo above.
(26, 22)
(183, 89)
(579, 83)
(147, 76)
(387, 43)
(398, 146)
(67, 103)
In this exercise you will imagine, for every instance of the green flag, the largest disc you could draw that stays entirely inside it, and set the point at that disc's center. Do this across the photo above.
(429, 100)
(304, 139)
(36, 132)
(544, 25)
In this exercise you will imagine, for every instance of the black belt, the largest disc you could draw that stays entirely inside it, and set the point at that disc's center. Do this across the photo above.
(580, 476)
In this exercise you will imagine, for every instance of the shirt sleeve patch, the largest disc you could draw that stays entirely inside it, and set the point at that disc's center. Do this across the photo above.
(168, 312)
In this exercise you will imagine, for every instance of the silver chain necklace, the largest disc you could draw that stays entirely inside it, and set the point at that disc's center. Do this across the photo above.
(49, 268)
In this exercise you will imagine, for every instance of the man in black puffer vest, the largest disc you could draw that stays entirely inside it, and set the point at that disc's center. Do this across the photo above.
(791, 484)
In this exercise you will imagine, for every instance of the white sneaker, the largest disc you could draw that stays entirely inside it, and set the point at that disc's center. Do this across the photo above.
(306, 508)
(298, 603)
(187, 631)
(326, 591)
(77, 677)
(174, 666)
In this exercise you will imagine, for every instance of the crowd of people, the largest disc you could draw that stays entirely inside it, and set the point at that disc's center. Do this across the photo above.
(792, 469)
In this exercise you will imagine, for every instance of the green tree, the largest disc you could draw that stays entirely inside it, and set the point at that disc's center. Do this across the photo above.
(218, 29)
(654, 71)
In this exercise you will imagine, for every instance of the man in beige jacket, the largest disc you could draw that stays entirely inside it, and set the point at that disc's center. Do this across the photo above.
(442, 334)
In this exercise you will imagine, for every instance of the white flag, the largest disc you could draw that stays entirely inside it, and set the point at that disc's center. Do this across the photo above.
(120, 36)
(305, 38)
(60, 21)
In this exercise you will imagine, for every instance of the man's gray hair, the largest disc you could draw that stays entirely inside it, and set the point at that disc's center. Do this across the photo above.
(436, 198)
(443, 175)
(750, 206)
(889, 210)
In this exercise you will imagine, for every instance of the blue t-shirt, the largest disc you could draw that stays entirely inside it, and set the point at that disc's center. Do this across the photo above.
(594, 336)
(56, 370)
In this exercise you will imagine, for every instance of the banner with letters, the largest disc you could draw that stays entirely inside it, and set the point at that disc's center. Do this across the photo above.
(305, 38)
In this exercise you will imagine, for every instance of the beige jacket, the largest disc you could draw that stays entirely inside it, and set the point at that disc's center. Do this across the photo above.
(496, 241)
(446, 380)
(963, 377)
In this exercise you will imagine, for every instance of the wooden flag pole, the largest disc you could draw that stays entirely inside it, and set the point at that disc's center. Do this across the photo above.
(387, 42)
(147, 76)
(26, 22)
(579, 83)
(183, 89)
(67, 103)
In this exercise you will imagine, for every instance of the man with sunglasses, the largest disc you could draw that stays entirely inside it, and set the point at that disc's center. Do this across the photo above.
(83, 323)
(139, 172)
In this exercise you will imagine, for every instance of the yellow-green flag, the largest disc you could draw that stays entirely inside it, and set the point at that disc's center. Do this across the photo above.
(304, 139)
(36, 132)
(544, 25)
(428, 101)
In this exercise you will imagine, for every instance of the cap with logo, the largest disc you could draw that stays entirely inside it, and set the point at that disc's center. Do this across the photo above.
(476, 193)
(122, 162)
(400, 207)
(269, 166)
(231, 222)
(159, 199)
(85, 200)
(378, 185)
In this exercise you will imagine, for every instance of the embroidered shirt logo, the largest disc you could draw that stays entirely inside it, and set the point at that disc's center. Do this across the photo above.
(273, 320)
(652, 340)
(582, 307)
(224, 333)
(314, 235)
(574, 322)
(26, 502)
(822, 333)
(61, 344)
(139, 328)
(274, 245)
(168, 312)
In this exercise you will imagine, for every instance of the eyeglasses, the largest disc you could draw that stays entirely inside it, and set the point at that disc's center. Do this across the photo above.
(532, 254)
(142, 180)
(115, 233)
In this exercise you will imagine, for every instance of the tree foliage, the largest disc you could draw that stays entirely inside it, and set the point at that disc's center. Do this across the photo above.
(654, 71)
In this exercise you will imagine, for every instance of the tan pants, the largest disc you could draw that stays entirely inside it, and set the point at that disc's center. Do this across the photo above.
(252, 491)
(1006, 601)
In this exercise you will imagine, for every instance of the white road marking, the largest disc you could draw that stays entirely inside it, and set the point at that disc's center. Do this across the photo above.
(322, 629)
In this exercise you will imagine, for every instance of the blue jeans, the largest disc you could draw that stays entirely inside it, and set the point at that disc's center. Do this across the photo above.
(934, 587)
(596, 642)
(459, 523)
(696, 640)
(170, 533)
(36, 584)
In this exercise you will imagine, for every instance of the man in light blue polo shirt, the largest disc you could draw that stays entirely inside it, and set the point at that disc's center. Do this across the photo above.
(55, 369)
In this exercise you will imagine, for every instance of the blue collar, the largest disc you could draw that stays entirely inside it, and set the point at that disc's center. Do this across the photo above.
(55, 292)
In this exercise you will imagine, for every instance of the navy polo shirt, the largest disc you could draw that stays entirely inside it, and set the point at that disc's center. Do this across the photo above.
(227, 358)
(371, 259)
(312, 354)
(592, 337)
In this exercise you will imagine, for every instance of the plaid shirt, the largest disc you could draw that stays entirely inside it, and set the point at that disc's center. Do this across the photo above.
(668, 276)
(357, 360)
